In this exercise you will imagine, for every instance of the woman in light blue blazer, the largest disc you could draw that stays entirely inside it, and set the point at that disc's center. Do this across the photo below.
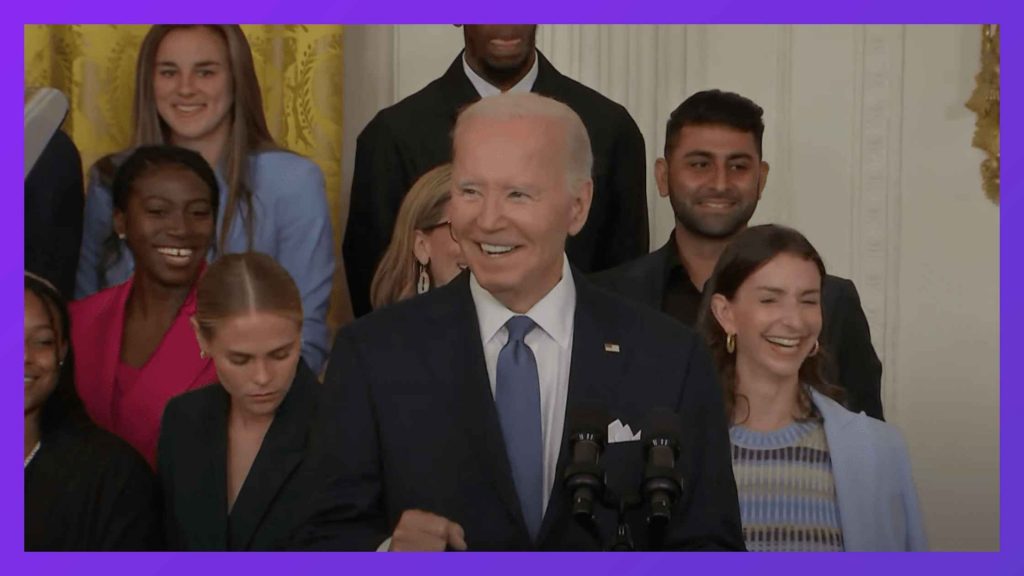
(196, 87)
(810, 474)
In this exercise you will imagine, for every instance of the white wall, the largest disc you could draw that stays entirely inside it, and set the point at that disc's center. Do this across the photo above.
(869, 143)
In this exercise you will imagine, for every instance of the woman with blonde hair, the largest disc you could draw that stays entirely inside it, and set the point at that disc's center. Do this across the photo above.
(196, 87)
(422, 254)
(232, 456)
(810, 474)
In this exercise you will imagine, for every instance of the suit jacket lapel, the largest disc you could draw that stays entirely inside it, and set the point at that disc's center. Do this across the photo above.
(207, 480)
(281, 452)
(593, 373)
(548, 81)
(458, 319)
(457, 89)
(111, 348)
(851, 470)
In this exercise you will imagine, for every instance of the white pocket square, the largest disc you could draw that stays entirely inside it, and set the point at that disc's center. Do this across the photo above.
(619, 433)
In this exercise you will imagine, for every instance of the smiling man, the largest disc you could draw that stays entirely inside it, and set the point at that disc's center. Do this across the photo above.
(713, 174)
(443, 423)
(405, 140)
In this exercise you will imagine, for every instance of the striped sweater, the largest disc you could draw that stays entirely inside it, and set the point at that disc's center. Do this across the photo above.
(786, 489)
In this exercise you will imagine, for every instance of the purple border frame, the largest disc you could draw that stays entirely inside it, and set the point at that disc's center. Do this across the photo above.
(595, 11)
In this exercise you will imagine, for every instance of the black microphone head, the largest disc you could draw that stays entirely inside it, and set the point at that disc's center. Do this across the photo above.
(590, 420)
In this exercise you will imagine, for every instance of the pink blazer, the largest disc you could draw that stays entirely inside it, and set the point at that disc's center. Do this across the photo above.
(175, 367)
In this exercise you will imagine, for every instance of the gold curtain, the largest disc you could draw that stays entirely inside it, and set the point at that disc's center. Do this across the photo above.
(300, 74)
(985, 103)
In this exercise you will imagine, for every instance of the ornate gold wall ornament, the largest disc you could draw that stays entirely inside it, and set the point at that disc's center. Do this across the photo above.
(985, 103)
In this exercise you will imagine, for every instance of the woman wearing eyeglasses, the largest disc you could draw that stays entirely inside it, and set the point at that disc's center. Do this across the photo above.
(422, 254)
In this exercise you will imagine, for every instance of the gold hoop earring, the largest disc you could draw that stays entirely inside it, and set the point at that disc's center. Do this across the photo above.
(814, 350)
(730, 343)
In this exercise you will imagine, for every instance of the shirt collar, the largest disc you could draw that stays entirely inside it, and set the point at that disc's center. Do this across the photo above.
(485, 88)
(554, 312)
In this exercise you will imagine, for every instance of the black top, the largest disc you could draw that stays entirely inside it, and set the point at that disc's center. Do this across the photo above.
(192, 461)
(406, 140)
(88, 490)
(682, 299)
(660, 281)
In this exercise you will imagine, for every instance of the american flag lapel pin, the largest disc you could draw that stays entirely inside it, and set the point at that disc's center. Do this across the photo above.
(611, 347)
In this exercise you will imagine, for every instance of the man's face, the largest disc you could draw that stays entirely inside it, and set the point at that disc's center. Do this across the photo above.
(713, 177)
(512, 207)
(500, 50)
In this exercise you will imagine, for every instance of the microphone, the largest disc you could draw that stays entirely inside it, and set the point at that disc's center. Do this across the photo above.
(584, 477)
(663, 485)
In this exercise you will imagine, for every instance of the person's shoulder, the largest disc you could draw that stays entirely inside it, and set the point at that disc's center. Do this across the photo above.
(636, 318)
(396, 120)
(283, 173)
(407, 320)
(629, 272)
(283, 163)
(104, 453)
(883, 436)
(97, 304)
(102, 171)
(193, 406)
(584, 99)
(838, 284)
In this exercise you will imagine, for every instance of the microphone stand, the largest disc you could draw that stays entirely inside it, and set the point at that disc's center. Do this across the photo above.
(623, 540)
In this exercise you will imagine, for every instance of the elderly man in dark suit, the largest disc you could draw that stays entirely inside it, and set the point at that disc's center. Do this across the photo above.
(443, 422)
(406, 140)
(713, 173)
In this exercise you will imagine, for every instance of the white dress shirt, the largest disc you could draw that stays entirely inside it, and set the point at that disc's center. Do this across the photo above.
(551, 343)
(485, 88)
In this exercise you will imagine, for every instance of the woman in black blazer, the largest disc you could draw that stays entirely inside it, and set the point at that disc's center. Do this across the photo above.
(231, 456)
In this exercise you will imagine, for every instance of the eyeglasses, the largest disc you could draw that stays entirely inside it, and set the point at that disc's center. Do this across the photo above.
(448, 223)
(438, 225)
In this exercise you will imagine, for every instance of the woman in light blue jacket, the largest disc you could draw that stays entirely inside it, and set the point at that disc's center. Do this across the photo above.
(811, 475)
(196, 87)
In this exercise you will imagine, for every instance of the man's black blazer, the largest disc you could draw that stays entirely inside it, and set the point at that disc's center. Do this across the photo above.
(405, 140)
(845, 335)
(192, 464)
(408, 421)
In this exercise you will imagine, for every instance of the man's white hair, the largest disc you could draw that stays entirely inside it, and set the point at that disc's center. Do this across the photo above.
(509, 106)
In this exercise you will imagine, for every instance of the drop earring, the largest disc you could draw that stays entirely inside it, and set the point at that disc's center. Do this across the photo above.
(423, 281)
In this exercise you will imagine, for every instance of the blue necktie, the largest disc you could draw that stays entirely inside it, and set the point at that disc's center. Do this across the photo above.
(517, 397)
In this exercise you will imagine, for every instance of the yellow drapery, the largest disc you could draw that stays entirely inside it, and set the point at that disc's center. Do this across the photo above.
(300, 74)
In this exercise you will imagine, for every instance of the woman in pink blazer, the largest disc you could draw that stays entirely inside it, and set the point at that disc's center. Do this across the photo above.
(135, 345)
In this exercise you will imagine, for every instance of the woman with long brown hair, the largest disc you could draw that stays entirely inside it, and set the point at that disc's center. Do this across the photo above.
(196, 87)
(422, 253)
(811, 475)
(231, 455)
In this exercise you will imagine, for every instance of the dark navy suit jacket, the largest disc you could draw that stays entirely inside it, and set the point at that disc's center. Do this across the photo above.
(408, 421)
